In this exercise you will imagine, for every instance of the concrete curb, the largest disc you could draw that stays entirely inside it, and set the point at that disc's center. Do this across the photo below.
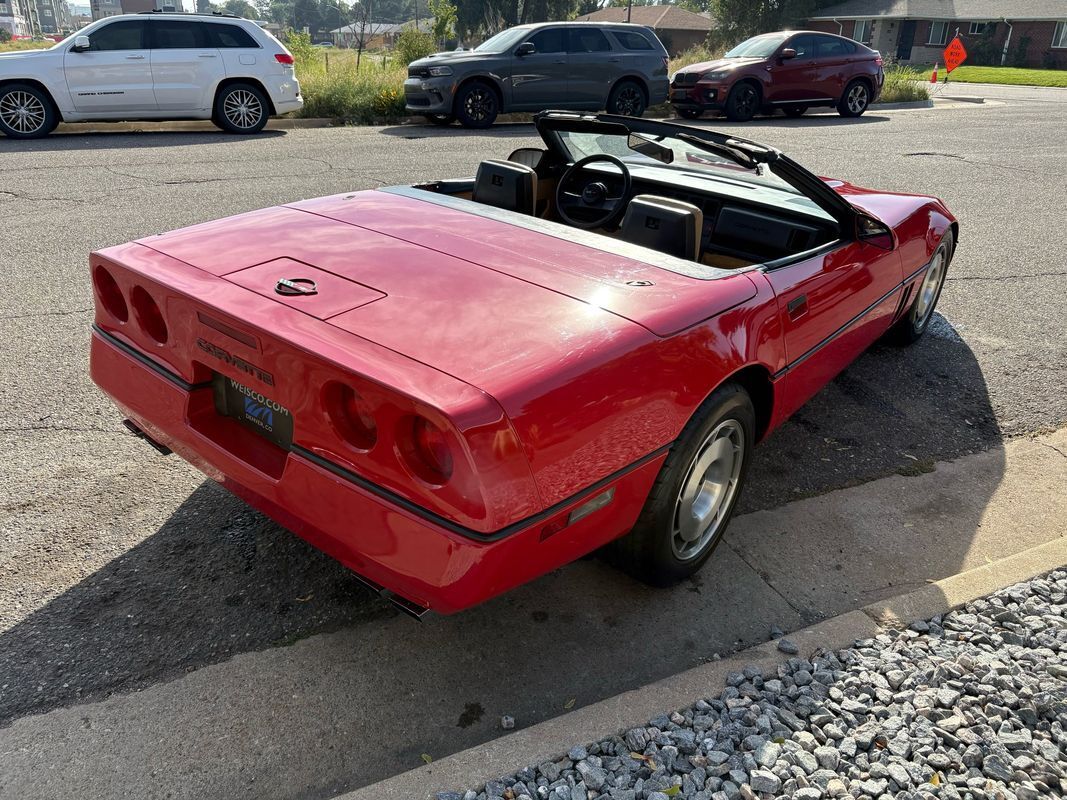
(185, 126)
(549, 739)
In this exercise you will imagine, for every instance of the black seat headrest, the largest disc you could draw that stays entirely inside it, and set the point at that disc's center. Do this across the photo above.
(660, 223)
(505, 184)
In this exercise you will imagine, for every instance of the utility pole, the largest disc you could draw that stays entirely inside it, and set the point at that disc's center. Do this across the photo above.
(629, 6)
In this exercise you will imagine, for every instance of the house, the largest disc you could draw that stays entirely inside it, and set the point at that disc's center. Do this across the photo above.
(677, 28)
(375, 35)
(1023, 33)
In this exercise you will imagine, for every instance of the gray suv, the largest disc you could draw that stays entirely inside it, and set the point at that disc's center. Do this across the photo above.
(586, 66)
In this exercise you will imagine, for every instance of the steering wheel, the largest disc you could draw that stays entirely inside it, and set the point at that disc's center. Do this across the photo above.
(592, 204)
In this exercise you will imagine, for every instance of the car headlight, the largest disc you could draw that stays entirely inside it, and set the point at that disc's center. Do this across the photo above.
(670, 78)
(718, 75)
(438, 72)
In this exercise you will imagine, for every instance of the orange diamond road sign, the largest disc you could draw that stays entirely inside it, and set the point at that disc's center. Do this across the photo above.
(955, 54)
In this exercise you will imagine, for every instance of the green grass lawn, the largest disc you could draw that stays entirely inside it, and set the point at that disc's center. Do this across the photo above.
(1016, 76)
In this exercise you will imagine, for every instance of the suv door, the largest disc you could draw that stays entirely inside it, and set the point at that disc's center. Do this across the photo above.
(539, 80)
(594, 67)
(240, 51)
(794, 78)
(833, 57)
(185, 67)
(115, 74)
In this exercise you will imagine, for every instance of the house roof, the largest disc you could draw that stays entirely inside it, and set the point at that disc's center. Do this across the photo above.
(659, 18)
(971, 10)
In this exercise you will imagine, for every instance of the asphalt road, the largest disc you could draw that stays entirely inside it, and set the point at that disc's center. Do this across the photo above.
(120, 569)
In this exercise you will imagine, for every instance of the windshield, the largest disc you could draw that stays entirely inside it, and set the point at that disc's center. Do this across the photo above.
(504, 40)
(757, 46)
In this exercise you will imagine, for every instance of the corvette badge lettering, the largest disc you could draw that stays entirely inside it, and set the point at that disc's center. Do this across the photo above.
(236, 361)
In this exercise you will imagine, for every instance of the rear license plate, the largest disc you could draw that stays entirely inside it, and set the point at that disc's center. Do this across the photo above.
(254, 410)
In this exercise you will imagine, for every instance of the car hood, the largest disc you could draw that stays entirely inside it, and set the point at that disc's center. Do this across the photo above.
(16, 54)
(488, 302)
(450, 58)
(719, 63)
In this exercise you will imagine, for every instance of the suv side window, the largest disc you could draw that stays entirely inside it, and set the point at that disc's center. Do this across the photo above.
(230, 36)
(548, 41)
(829, 47)
(805, 47)
(177, 34)
(588, 40)
(125, 35)
(632, 40)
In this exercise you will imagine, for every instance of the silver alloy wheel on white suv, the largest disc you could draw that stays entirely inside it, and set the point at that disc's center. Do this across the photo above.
(25, 112)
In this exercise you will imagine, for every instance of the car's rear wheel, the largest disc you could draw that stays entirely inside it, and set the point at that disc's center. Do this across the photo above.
(689, 113)
(26, 112)
(627, 99)
(440, 119)
(910, 327)
(687, 511)
(476, 105)
(795, 111)
(743, 102)
(855, 100)
(241, 108)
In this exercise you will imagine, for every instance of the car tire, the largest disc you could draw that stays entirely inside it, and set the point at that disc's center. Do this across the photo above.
(795, 111)
(26, 112)
(665, 546)
(440, 119)
(241, 108)
(743, 102)
(476, 105)
(855, 99)
(627, 99)
(913, 324)
(689, 113)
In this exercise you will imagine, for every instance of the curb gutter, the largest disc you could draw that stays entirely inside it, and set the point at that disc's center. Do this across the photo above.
(549, 739)
(184, 126)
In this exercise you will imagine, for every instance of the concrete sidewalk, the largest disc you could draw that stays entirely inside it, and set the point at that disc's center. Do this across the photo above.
(339, 711)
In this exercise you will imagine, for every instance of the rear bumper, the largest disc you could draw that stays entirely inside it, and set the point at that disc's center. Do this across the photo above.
(429, 562)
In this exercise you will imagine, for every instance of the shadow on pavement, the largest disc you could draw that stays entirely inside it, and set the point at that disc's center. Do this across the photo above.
(125, 140)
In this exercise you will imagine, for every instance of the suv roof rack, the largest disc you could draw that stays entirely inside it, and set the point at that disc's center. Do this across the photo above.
(190, 13)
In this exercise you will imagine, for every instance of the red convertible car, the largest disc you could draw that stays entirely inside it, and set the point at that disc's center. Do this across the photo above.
(458, 386)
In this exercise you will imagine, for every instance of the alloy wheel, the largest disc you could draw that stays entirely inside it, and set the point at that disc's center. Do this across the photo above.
(242, 108)
(629, 101)
(22, 112)
(479, 104)
(708, 490)
(746, 100)
(929, 290)
(857, 98)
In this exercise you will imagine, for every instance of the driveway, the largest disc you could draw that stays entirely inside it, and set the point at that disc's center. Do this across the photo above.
(121, 570)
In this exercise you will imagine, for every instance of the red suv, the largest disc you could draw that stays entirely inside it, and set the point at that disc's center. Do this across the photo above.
(791, 70)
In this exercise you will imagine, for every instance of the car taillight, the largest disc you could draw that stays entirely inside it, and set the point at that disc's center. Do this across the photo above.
(350, 415)
(110, 295)
(283, 58)
(148, 316)
(426, 450)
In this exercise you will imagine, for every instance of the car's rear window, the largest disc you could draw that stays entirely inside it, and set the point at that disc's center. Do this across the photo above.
(588, 40)
(231, 36)
(632, 40)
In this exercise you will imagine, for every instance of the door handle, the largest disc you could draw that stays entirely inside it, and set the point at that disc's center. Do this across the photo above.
(563, 61)
(797, 307)
(208, 55)
(135, 58)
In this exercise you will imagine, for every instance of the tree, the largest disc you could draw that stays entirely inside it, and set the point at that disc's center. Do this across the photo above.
(740, 19)
(306, 14)
(240, 8)
(444, 20)
(205, 7)
(5, 35)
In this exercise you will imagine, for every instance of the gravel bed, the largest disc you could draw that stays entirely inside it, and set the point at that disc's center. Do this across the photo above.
(970, 705)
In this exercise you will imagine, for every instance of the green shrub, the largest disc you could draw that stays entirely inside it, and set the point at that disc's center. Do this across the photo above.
(300, 46)
(388, 102)
(903, 85)
(375, 94)
(694, 55)
(411, 45)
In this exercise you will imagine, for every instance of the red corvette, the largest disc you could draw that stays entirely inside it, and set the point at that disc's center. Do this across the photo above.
(456, 387)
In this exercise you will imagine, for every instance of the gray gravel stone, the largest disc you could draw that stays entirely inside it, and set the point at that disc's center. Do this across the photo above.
(788, 646)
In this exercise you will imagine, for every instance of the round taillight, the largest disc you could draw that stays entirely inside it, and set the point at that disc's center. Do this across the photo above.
(350, 415)
(149, 317)
(427, 452)
(110, 295)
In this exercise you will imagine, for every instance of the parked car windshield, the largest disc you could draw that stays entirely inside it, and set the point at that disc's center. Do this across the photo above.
(504, 40)
(686, 156)
(757, 46)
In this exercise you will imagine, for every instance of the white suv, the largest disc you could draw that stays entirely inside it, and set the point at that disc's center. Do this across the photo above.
(150, 66)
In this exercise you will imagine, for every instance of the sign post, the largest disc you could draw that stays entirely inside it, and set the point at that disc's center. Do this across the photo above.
(955, 54)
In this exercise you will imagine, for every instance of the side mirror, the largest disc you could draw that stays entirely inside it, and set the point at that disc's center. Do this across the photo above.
(81, 44)
(787, 53)
(525, 49)
(872, 232)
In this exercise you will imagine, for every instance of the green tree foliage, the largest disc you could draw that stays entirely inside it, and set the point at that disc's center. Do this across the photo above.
(444, 19)
(5, 35)
(307, 14)
(205, 7)
(240, 8)
(740, 19)
(411, 45)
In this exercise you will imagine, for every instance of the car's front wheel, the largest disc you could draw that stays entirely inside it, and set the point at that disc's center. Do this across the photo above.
(743, 102)
(26, 112)
(687, 511)
(476, 105)
(241, 108)
(855, 100)
(910, 327)
(627, 99)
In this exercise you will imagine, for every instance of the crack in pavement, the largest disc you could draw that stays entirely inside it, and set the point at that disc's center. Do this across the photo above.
(1053, 447)
(7, 317)
(766, 579)
(1004, 277)
(966, 160)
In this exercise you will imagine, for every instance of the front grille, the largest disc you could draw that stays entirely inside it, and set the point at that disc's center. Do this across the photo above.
(415, 100)
(686, 79)
(418, 72)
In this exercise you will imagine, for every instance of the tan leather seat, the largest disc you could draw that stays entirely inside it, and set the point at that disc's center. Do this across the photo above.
(505, 184)
(661, 223)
